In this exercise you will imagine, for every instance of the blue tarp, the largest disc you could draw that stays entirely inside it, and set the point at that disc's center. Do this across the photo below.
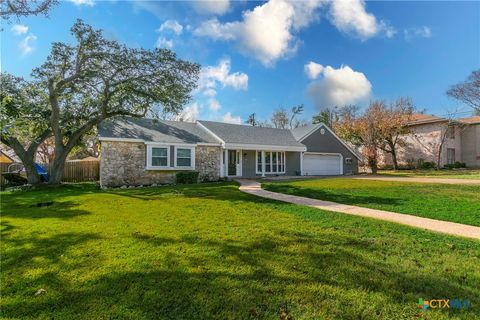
(42, 172)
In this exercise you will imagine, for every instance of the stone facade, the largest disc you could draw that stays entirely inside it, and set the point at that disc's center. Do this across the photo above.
(207, 162)
(124, 163)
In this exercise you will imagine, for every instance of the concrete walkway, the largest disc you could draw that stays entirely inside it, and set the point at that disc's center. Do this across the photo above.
(452, 228)
(422, 180)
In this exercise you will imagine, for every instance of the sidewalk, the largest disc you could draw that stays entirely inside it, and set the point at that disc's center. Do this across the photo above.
(452, 228)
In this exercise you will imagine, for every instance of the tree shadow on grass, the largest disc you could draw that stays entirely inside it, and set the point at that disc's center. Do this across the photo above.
(275, 274)
(319, 194)
(6, 228)
(48, 193)
(214, 191)
(30, 204)
(34, 262)
(59, 209)
(22, 250)
(300, 274)
(322, 274)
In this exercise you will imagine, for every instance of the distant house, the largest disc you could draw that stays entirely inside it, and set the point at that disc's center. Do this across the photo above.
(7, 155)
(462, 141)
(4, 158)
(146, 151)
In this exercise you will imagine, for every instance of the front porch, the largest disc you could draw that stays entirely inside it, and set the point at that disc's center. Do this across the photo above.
(255, 163)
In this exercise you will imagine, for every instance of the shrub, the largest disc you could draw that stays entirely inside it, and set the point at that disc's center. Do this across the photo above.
(405, 167)
(427, 165)
(185, 177)
(455, 165)
(411, 163)
(459, 164)
(387, 167)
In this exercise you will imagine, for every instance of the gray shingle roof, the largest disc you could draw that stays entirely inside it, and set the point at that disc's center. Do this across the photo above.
(243, 134)
(300, 132)
(154, 130)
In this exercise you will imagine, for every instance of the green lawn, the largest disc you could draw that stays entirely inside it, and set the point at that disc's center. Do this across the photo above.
(457, 203)
(211, 252)
(450, 174)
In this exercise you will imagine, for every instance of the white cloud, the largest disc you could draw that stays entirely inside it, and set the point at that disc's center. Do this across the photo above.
(266, 32)
(164, 43)
(339, 87)
(213, 104)
(171, 25)
(228, 118)
(350, 17)
(19, 29)
(89, 3)
(418, 32)
(210, 93)
(313, 69)
(25, 45)
(390, 31)
(216, 30)
(190, 113)
(220, 74)
(218, 7)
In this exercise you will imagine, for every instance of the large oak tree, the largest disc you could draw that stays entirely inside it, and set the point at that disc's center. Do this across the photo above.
(97, 78)
(15, 9)
(24, 118)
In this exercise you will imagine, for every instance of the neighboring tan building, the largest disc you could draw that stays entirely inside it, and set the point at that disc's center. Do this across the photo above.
(470, 141)
(462, 141)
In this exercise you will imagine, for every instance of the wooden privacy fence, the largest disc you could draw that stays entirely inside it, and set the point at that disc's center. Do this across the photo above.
(79, 171)
(3, 168)
(74, 171)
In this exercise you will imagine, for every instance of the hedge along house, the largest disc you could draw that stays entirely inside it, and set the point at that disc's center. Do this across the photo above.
(146, 151)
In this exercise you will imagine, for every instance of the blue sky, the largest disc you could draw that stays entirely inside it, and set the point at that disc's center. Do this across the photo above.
(258, 56)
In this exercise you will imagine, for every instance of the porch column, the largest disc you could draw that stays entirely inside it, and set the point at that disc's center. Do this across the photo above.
(263, 163)
(220, 167)
(225, 166)
(301, 163)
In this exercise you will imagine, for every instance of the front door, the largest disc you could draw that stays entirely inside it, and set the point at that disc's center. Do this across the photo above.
(232, 162)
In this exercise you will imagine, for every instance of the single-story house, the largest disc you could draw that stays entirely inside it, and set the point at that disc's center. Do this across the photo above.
(148, 151)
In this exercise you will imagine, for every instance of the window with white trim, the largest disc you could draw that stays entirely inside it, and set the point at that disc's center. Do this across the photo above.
(183, 157)
(274, 162)
(159, 156)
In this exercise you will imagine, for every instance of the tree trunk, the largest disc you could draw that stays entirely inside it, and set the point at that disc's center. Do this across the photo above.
(394, 159)
(372, 163)
(56, 167)
(27, 158)
(32, 175)
(439, 156)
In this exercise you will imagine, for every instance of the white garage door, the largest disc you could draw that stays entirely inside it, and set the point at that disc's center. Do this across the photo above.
(322, 165)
